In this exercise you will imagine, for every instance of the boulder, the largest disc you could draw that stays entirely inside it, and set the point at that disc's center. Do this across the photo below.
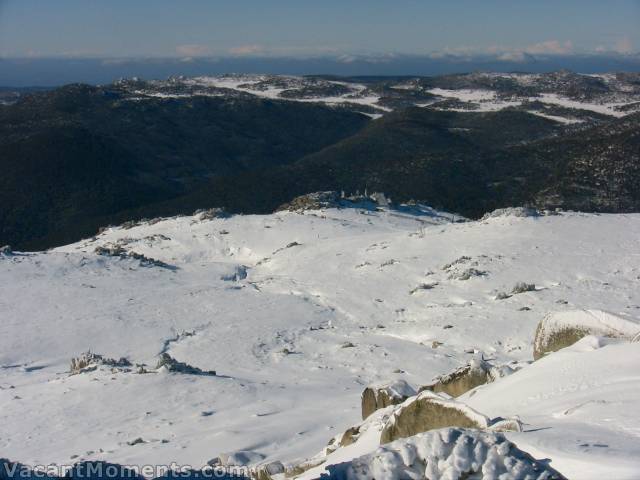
(379, 396)
(266, 471)
(170, 364)
(430, 411)
(476, 373)
(558, 330)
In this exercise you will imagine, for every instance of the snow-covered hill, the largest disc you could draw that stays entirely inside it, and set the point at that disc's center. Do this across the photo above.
(564, 97)
(298, 313)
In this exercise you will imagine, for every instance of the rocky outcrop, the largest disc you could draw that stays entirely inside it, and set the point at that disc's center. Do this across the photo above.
(558, 330)
(429, 411)
(170, 364)
(111, 250)
(266, 471)
(88, 361)
(211, 214)
(300, 468)
(312, 201)
(379, 396)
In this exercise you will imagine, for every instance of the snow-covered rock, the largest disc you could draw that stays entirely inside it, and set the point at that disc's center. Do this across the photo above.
(477, 372)
(240, 458)
(451, 454)
(512, 212)
(383, 395)
(560, 329)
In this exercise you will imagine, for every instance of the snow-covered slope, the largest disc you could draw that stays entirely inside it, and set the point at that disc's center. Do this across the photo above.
(297, 313)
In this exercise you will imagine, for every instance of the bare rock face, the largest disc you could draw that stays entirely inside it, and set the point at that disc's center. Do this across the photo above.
(558, 330)
(380, 396)
(429, 411)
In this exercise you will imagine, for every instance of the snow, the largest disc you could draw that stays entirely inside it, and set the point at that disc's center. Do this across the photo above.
(395, 389)
(603, 108)
(244, 83)
(579, 406)
(556, 118)
(272, 322)
(486, 100)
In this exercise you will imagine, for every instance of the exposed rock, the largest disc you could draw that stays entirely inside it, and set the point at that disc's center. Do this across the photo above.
(467, 274)
(430, 411)
(558, 330)
(350, 436)
(451, 453)
(476, 373)
(90, 361)
(130, 224)
(457, 261)
(265, 472)
(522, 287)
(423, 286)
(111, 250)
(380, 396)
(170, 364)
(211, 213)
(300, 468)
(312, 201)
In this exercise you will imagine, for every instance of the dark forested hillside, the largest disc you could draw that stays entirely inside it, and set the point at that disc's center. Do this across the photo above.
(80, 157)
(79, 153)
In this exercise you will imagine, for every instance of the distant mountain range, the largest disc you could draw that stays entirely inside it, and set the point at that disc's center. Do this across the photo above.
(79, 157)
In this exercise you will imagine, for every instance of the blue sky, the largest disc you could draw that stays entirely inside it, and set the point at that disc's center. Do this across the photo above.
(201, 28)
